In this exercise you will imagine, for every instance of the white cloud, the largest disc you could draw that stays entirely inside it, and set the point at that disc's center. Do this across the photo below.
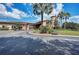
(12, 14)
(16, 13)
(2, 9)
(46, 17)
(57, 9)
(59, 6)
(9, 4)
(36, 16)
(38, 19)
(29, 11)
(74, 19)
(30, 4)
(53, 13)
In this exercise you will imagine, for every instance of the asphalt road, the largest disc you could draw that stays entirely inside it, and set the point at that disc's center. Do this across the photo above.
(23, 43)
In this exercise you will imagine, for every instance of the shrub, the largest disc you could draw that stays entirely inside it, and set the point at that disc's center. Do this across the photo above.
(50, 30)
(72, 26)
(35, 30)
(47, 29)
(43, 29)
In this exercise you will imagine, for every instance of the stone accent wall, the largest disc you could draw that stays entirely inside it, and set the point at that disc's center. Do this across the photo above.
(53, 19)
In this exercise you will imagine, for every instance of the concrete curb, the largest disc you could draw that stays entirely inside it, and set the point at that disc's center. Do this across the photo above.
(50, 35)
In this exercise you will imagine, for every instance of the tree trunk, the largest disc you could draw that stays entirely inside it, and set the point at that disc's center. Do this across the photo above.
(61, 23)
(42, 17)
(65, 24)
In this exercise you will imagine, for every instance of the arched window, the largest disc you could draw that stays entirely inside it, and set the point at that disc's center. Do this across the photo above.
(3, 26)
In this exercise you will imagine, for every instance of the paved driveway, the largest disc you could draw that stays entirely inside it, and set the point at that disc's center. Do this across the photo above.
(20, 42)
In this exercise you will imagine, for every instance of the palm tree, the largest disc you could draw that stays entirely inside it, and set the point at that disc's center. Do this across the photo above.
(41, 8)
(17, 25)
(61, 16)
(66, 16)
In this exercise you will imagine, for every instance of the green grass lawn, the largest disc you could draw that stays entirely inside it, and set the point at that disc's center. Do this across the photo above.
(67, 32)
(61, 32)
(35, 30)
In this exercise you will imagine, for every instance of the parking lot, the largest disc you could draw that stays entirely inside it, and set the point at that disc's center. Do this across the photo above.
(22, 43)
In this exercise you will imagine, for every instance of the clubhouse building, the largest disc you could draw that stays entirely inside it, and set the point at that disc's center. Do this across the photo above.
(25, 25)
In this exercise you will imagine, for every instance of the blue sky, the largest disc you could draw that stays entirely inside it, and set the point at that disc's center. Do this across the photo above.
(22, 12)
(72, 8)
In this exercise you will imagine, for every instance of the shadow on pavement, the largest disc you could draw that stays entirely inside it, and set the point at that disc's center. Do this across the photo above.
(30, 46)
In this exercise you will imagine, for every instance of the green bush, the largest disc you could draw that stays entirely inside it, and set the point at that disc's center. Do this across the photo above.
(72, 26)
(43, 29)
(50, 30)
(47, 29)
(35, 30)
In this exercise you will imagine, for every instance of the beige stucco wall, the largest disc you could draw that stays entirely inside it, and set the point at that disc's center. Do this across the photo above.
(44, 23)
(23, 27)
(28, 26)
(0, 25)
(7, 25)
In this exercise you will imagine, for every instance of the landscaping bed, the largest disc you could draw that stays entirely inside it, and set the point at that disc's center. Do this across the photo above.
(58, 32)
